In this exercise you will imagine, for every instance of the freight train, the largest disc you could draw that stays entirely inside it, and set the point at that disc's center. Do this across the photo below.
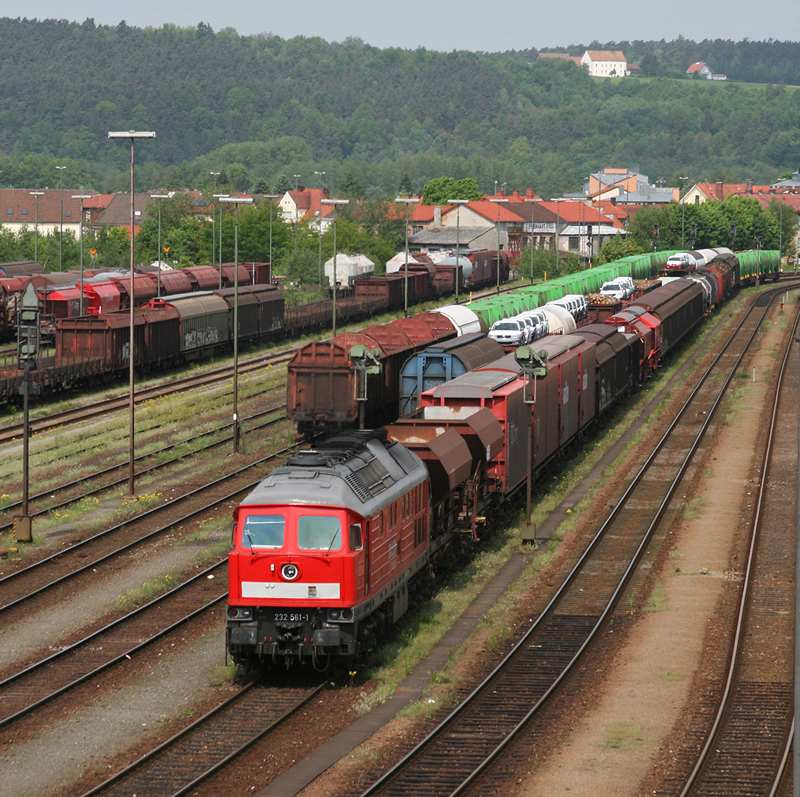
(334, 546)
(81, 355)
(327, 393)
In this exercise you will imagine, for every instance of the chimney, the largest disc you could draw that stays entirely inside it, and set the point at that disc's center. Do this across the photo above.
(515, 194)
(437, 216)
(749, 187)
(719, 190)
(529, 193)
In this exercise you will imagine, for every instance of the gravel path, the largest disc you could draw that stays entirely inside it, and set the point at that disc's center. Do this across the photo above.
(87, 740)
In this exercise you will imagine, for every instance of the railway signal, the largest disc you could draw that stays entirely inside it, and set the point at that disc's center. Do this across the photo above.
(28, 334)
(365, 362)
(533, 366)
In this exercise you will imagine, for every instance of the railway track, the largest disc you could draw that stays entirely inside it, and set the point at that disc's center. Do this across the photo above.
(213, 742)
(462, 751)
(744, 750)
(39, 683)
(104, 406)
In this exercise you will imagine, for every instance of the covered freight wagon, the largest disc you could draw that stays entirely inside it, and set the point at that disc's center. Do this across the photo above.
(680, 307)
(322, 392)
(203, 322)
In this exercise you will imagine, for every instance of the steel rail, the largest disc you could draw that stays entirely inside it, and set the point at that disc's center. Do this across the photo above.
(739, 624)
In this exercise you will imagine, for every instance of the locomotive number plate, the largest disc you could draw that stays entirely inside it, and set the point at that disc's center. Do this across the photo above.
(288, 617)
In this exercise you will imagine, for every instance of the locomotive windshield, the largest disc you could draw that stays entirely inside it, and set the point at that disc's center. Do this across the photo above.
(263, 531)
(317, 533)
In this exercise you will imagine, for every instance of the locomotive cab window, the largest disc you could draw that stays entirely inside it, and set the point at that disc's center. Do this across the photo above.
(356, 542)
(263, 531)
(317, 533)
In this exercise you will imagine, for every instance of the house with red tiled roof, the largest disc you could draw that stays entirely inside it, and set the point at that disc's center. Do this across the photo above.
(716, 192)
(20, 207)
(605, 63)
(582, 228)
(703, 70)
(304, 203)
(117, 212)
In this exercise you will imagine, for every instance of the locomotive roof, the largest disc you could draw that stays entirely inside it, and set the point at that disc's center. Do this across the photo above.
(357, 470)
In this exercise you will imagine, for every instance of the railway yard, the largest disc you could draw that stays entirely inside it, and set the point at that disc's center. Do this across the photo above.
(104, 661)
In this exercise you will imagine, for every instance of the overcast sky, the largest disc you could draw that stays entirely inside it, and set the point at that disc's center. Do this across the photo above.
(460, 25)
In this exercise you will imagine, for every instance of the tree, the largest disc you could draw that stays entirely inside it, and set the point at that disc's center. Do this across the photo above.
(649, 66)
(406, 188)
(441, 189)
(282, 184)
(301, 267)
(351, 187)
(179, 231)
(616, 248)
(545, 263)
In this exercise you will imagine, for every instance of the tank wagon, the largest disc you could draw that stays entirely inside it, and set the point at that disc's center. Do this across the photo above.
(442, 362)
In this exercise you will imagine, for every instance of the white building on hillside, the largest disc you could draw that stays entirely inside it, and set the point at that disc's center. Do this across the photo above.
(605, 63)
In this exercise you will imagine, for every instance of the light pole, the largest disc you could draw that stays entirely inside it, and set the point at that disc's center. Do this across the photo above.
(497, 201)
(220, 197)
(334, 202)
(132, 135)
(319, 234)
(683, 210)
(61, 218)
(81, 196)
(271, 214)
(37, 194)
(158, 261)
(296, 214)
(458, 203)
(406, 201)
(213, 226)
(558, 237)
(236, 200)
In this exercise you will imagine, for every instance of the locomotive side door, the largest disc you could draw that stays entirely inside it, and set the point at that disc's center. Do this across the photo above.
(359, 546)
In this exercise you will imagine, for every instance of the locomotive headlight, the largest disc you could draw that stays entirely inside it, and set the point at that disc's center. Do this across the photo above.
(290, 572)
(240, 612)
(340, 615)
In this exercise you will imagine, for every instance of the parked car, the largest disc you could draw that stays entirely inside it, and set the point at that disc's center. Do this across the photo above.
(575, 304)
(530, 327)
(620, 288)
(540, 321)
(508, 332)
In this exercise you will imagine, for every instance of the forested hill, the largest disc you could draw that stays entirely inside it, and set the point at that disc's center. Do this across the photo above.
(263, 108)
